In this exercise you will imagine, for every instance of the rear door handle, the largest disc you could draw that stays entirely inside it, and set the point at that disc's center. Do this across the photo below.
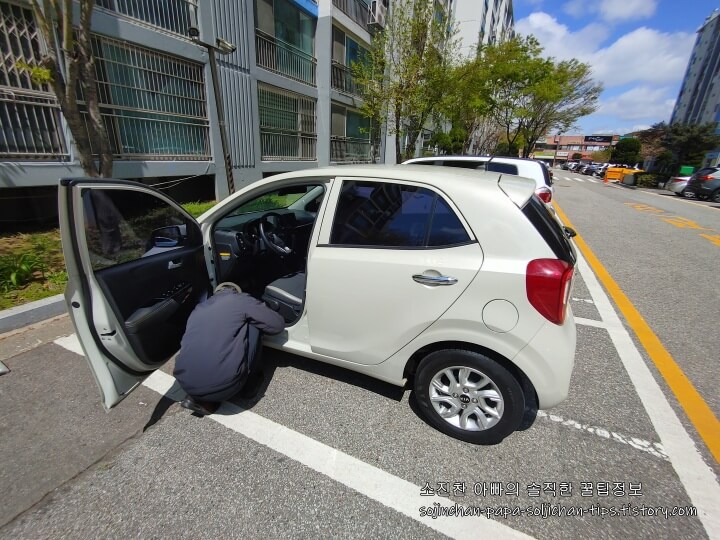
(434, 281)
(173, 264)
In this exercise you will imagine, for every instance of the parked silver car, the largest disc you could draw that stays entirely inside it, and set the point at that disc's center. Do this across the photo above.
(678, 185)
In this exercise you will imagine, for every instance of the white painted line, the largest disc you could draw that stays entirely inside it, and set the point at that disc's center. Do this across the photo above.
(566, 178)
(695, 475)
(591, 180)
(586, 300)
(394, 492)
(579, 179)
(655, 449)
(590, 322)
(17, 310)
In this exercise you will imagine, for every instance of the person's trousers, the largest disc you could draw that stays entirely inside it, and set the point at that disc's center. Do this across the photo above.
(254, 362)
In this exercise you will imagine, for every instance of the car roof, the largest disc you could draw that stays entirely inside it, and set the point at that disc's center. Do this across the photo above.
(417, 173)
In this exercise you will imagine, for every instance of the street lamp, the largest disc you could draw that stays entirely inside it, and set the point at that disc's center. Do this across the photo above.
(223, 47)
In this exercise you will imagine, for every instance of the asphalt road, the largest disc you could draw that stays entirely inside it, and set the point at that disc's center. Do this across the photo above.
(328, 453)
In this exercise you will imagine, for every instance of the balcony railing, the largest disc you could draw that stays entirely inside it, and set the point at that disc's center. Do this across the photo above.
(284, 146)
(343, 81)
(175, 16)
(275, 55)
(31, 126)
(357, 10)
(350, 150)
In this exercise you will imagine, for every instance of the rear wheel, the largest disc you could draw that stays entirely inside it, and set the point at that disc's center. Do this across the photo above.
(469, 396)
(682, 193)
(715, 197)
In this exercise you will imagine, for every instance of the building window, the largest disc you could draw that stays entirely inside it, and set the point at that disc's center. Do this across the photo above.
(30, 125)
(176, 16)
(285, 40)
(357, 10)
(153, 104)
(345, 51)
(350, 136)
(287, 125)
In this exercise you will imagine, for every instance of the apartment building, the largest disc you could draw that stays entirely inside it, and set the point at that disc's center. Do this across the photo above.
(288, 94)
(699, 99)
(482, 22)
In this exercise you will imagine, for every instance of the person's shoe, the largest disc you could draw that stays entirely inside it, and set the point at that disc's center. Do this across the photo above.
(252, 385)
(203, 409)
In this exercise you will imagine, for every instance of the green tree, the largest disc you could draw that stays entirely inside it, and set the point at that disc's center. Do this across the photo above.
(404, 75)
(577, 155)
(506, 149)
(452, 142)
(68, 67)
(566, 93)
(512, 72)
(601, 156)
(690, 142)
(626, 151)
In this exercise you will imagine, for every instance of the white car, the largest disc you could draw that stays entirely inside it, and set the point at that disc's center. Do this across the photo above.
(528, 168)
(414, 276)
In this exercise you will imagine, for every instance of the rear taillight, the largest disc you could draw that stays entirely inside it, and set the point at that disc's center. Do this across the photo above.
(544, 194)
(705, 178)
(548, 287)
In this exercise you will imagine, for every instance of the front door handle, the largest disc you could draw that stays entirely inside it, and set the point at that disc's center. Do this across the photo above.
(174, 264)
(434, 280)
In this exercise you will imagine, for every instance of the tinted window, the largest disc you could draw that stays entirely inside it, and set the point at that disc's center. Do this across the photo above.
(123, 225)
(464, 164)
(504, 168)
(393, 215)
(445, 228)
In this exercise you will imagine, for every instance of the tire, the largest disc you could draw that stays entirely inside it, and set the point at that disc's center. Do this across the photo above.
(488, 421)
(715, 197)
(681, 194)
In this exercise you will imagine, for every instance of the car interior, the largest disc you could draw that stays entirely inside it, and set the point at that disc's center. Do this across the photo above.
(263, 244)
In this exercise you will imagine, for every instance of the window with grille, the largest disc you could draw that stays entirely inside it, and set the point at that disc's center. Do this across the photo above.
(29, 113)
(287, 125)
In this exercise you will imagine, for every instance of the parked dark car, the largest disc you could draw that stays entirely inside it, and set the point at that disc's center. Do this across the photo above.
(590, 170)
(705, 184)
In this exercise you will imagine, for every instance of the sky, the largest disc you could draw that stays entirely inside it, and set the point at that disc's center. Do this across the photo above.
(638, 49)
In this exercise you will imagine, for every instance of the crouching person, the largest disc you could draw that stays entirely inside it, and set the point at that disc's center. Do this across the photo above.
(219, 353)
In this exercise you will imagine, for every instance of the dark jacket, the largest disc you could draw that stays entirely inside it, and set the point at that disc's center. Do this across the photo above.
(214, 350)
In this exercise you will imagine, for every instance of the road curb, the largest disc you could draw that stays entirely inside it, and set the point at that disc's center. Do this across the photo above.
(32, 312)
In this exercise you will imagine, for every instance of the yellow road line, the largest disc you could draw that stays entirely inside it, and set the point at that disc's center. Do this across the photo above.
(695, 406)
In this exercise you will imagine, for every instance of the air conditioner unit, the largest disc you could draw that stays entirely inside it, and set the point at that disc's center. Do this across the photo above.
(378, 11)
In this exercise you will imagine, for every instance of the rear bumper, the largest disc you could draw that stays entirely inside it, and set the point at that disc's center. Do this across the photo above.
(548, 361)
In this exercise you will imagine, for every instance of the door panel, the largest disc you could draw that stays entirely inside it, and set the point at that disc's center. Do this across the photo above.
(391, 261)
(136, 270)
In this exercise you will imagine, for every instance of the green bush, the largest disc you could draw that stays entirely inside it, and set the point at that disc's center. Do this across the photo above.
(650, 180)
(17, 270)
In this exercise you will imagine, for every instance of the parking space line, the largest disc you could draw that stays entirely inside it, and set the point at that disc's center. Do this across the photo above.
(655, 449)
(590, 322)
(695, 475)
(591, 180)
(391, 491)
(579, 179)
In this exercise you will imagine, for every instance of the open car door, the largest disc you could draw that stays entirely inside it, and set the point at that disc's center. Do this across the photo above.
(136, 270)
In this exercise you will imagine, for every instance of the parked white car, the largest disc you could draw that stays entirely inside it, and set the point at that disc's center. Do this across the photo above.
(410, 275)
(528, 168)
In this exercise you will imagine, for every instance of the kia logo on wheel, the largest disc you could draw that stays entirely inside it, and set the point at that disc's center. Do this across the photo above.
(464, 399)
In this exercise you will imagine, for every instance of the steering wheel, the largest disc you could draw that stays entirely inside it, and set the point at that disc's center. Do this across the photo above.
(267, 232)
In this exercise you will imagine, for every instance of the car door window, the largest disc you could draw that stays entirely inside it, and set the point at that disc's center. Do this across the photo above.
(125, 225)
(377, 214)
(464, 164)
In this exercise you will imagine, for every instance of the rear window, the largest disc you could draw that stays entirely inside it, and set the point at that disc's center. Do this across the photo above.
(549, 228)
(504, 168)
(463, 164)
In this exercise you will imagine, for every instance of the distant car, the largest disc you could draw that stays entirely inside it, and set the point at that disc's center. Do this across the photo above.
(590, 170)
(573, 166)
(453, 282)
(529, 168)
(678, 185)
(705, 184)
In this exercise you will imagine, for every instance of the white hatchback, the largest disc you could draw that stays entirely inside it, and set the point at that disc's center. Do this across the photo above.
(410, 275)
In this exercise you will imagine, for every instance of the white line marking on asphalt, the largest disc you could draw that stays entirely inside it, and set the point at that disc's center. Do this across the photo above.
(579, 179)
(695, 475)
(591, 180)
(586, 300)
(656, 449)
(590, 322)
(566, 178)
(395, 493)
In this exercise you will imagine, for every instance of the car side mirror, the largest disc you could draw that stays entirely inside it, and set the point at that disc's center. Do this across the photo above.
(569, 232)
(167, 237)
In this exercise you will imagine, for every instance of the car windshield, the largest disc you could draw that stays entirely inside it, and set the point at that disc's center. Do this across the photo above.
(275, 200)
